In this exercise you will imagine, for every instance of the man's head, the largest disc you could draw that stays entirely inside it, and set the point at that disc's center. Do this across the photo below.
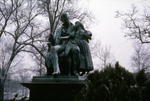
(64, 18)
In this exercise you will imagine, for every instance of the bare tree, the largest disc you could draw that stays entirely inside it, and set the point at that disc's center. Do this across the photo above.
(102, 54)
(136, 23)
(7, 8)
(24, 76)
(4, 55)
(141, 57)
(53, 9)
(40, 68)
(18, 31)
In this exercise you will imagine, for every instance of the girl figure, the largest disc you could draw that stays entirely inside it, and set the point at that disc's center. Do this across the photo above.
(82, 38)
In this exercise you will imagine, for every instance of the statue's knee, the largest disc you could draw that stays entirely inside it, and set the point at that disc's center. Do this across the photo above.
(75, 49)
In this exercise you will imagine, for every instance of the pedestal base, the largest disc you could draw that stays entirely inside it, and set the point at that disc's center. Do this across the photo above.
(62, 88)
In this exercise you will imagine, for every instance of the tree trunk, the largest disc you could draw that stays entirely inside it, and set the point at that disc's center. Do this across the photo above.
(1, 90)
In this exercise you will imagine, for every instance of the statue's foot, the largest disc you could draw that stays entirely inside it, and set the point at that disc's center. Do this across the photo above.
(75, 73)
(55, 74)
(47, 74)
(83, 72)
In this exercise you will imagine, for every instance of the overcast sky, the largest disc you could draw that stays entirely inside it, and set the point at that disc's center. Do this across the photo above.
(108, 29)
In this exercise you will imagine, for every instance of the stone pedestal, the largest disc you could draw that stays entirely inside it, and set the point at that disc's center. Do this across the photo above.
(48, 88)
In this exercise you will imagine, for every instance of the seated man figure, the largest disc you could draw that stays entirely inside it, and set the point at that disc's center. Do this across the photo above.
(60, 40)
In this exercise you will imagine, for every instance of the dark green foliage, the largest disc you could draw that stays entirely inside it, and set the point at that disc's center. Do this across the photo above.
(143, 86)
(141, 78)
(115, 84)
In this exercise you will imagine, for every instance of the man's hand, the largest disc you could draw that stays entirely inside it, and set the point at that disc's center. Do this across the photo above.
(63, 38)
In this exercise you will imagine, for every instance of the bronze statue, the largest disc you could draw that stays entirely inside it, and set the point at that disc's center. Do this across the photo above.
(69, 45)
(60, 40)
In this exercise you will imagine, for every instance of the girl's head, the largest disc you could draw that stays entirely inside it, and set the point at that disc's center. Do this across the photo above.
(78, 24)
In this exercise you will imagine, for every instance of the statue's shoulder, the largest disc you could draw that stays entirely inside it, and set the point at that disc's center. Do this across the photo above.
(71, 24)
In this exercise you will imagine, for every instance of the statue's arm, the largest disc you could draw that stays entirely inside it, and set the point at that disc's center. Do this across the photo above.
(71, 34)
(64, 37)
